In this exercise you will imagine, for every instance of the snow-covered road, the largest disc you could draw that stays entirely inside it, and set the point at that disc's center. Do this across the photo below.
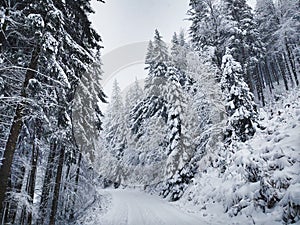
(132, 207)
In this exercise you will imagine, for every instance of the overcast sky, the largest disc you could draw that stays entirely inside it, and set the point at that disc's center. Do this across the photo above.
(123, 22)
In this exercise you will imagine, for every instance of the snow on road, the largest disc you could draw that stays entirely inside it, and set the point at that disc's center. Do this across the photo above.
(132, 207)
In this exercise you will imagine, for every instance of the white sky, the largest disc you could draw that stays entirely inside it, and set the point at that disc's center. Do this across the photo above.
(123, 22)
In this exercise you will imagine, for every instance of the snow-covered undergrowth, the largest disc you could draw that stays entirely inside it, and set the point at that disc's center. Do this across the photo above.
(96, 209)
(261, 182)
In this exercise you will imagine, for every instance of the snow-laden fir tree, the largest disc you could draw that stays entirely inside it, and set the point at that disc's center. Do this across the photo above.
(180, 144)
(87, 99)
(157, 61)
(115, 124)
(133, 96)
(287, 37)
(179, 51)
(240, 34)
(204, 15)
(265, 16)
(240, 107)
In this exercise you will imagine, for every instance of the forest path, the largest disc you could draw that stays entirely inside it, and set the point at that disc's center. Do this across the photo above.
(132, 207)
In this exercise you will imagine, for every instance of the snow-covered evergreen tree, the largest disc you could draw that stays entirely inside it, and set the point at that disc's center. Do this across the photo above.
(157, 61)
(180, 147)
(114, 124)
(240, 107)
(179, 51)
(205, 17)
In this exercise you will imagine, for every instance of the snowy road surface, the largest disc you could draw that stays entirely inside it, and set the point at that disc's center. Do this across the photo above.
(131, 207)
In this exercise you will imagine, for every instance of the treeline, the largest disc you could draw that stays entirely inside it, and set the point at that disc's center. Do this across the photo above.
(49, 76)
(267, 39)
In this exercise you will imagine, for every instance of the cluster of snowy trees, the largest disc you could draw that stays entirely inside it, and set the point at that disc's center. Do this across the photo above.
(153, 135)
(202, 96)
(265, 42)
(49, 70)
(257, 54)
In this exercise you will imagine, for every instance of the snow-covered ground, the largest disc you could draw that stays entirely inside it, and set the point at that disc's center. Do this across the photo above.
(261, 184)
(134, 207)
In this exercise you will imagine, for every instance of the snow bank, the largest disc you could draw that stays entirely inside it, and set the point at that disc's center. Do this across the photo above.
(261, 180)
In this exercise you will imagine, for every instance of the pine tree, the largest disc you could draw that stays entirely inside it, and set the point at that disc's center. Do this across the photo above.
(179, 149)
(205, 22)
(115, 126)
(268, 23)
(179, 50)
(240, 106)
(157, 57)
(149, 55)
(278, 29)
(157, 61)
(288, 36)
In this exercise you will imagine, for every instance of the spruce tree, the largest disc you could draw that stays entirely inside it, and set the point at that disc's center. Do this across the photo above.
(240, 107)
(180, 148)
(115, 126)
(157, 61)
(179, 51)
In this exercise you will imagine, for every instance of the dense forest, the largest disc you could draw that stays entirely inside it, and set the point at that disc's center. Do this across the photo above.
(49, 51)
(205, 129)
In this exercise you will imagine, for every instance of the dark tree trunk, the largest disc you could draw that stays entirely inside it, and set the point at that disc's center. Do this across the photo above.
(76, 184)
(34, 160)
(58, 179)
(268, 76)
(284, 57)
(47, 182)
(281, 68)
(292, 63)
(259, 83)
(273, 69)
(15, 130)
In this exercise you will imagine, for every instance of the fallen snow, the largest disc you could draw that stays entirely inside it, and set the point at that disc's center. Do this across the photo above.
(134, 207)
(219, 198)
(229, 198)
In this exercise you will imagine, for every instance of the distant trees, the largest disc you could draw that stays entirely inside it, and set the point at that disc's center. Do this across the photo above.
(115, 123)
(255, 56)
(279, 28)
(259, 39)
(162, 129)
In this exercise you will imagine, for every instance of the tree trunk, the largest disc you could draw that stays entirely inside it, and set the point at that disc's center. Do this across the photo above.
(284, 57)
(268, 76)
(282, 72)
(47, 182)
(57, 185)
(292, 63)
(274, 71)
(259, 84)
(76, 186)
(5, 170)
(34, 160)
